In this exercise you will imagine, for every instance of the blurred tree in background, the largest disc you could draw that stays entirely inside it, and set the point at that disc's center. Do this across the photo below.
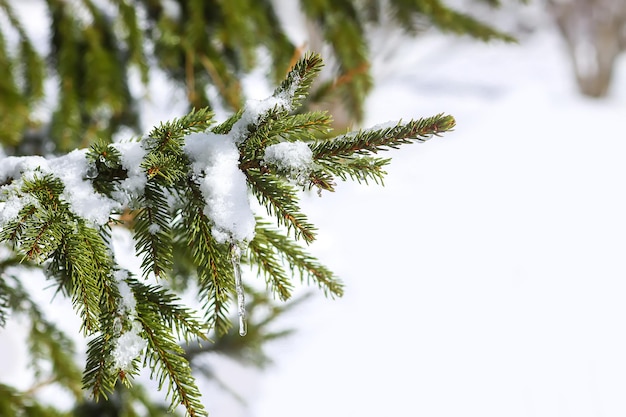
(79, 89)
(595, 33)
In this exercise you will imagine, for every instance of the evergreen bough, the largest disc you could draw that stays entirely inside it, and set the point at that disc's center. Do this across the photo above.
(167, 188)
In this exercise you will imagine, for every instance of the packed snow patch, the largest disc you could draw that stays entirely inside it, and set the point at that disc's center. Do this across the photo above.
(12, 205)
(295, 158)
(128, 347)
(71, 169)
(129, 343)
(215, 162)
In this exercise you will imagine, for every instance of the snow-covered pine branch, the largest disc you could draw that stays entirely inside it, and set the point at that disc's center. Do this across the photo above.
(185, 188)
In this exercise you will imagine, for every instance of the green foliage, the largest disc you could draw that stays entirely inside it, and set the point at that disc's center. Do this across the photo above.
(270, 251)
(163, 190)
(16, 404)
(203, 46)
(152, 187)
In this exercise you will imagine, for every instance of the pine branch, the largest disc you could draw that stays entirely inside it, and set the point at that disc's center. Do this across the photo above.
(41, 236)
(168, 307)
(302, 126)
(105, 170)
(355, 167)
(164, 167)
(167, 137)
(100, 376)
(85, 261)
(291, 128)
(263, 255)
(279, 198)
(227, 125)
(173, 181)
(46, 189)
(297, 259)
(78, 252)
(166, 360)
(14, 229)
(374, 140)
(300, 78)
(153, 240)
(166, 162)
(213, 269)
(250, 124)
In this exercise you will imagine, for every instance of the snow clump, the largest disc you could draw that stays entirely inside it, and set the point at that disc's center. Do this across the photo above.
(74, 170)
(71, 169)
(215, 162)
(129, 343)
(294, 158)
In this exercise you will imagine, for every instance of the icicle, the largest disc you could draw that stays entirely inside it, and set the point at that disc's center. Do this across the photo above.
(235, 258)
(92, 171)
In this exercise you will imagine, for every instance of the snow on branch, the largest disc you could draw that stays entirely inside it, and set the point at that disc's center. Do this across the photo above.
(185, 193)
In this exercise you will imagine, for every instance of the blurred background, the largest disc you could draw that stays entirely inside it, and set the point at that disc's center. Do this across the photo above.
(487, 276)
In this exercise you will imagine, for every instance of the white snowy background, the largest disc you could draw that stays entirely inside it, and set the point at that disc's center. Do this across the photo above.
(487, 278)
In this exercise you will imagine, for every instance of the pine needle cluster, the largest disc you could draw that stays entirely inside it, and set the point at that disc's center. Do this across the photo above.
(171, 189)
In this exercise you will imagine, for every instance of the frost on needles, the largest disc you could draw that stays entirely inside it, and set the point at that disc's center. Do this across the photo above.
(185, 188)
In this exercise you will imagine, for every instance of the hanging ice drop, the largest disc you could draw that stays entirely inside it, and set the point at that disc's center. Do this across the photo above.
(92, 171)
(235, 258)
